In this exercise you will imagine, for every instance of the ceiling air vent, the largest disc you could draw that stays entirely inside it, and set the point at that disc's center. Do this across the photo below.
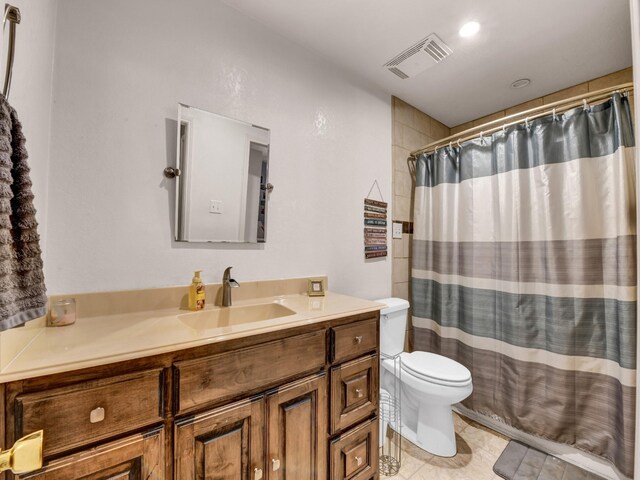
(419, 57)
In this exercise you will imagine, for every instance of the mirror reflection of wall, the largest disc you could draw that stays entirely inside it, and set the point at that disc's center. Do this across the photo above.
(222, 188)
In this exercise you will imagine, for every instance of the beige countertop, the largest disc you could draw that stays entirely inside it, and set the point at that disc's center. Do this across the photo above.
(36, 350)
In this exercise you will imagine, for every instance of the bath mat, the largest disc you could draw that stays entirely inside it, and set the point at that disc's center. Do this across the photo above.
(521, 462)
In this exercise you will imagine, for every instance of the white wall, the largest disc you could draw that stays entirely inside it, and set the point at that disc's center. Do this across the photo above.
(121, 67)
(30, 92)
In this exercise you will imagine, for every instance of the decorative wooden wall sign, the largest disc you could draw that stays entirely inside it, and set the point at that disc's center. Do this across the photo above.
(375, 226)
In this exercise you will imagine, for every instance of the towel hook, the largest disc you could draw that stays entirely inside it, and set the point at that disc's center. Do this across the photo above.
(12, 14)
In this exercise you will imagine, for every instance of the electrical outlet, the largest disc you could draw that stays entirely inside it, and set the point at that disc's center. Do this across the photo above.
(397, 230)
(215, 206)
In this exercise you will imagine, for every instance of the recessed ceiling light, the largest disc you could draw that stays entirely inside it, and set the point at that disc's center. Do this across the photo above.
(469, 29)
(521, 83)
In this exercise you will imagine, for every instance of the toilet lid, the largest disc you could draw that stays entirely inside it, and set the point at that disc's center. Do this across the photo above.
(436, 368)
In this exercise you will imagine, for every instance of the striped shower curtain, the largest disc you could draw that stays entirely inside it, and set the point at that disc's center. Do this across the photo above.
(524, 270)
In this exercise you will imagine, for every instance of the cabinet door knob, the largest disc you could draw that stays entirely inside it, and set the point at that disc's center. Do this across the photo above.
(96, 415)
(275, 464)
(358, 339)
(257, 473)
(359, 393)
(358, 460)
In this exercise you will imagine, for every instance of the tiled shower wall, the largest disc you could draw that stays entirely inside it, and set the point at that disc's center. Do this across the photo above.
(411, 130)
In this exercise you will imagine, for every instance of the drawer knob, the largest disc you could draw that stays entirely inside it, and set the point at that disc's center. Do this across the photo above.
(96, 415)
(359, 392)
(358, 339)
(257, 473)
(358, 460)
(275, 464)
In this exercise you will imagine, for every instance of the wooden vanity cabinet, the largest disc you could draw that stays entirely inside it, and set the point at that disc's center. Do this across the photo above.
(299, 403)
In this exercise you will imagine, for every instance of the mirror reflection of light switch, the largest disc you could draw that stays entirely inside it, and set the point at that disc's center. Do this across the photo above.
(397, 230)
(215, 206)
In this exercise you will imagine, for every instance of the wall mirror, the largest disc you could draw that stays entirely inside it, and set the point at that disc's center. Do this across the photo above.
(222, 179)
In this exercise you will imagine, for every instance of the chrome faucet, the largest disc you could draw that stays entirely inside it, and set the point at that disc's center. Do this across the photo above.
(227, 284)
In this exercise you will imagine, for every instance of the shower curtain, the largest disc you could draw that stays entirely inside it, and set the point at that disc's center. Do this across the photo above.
(524, 271)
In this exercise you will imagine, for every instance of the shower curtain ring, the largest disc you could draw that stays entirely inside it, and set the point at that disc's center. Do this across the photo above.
(526, 122)
(458, 142)
(450, 145)
(504, 128)
(585, 104)
(555, 117)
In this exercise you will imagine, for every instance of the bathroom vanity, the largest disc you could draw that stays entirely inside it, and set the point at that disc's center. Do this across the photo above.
(291, 397)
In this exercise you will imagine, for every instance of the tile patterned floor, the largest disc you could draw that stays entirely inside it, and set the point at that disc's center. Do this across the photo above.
(478, 449)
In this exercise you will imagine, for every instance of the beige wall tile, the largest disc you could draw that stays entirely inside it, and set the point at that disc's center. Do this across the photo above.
(536, 102)
(422, 121)
(403, 112)
(396, 136)
(566, 93)
(462, 127)
(401, 290)
(398, 248)
(401, 209)
(400, 156)
(402, 184)
(611, 80)
(407, 239)
(400, 270)
(439, 130)
(488, 118)
(411, 138)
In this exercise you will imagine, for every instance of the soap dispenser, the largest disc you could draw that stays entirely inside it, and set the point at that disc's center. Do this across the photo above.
(196, 292)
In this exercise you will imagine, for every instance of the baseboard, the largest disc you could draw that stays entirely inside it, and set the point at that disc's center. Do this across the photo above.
(569, 454)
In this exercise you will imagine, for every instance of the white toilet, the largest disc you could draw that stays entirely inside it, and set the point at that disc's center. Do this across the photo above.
(430, 384)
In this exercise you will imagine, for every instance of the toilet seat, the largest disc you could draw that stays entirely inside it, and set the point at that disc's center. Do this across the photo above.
(436, 369)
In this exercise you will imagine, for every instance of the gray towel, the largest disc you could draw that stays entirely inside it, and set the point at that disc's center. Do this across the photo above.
(22, 291)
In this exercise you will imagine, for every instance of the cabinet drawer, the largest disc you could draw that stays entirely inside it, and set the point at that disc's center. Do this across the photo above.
(223, 376)
(353, 340)
(354, 455)
(354, 392)
(138, 456)
(91, 411)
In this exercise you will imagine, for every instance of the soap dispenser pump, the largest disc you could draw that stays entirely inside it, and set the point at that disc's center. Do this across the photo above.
(196, 292)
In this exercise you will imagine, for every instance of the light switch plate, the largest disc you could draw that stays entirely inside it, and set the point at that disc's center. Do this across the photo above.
(215, 206)
(397, 230)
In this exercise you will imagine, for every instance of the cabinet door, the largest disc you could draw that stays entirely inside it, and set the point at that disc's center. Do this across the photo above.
(297, 430)
(354, 392)
(136, 457)
(354, 454)
(226, 443)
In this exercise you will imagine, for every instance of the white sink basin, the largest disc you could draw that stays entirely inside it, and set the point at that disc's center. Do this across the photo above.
(225, 316)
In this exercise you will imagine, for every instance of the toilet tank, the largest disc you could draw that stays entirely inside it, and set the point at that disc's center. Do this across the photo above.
(393, 325)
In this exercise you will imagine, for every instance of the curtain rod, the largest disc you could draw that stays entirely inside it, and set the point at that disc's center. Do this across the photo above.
(531, 114)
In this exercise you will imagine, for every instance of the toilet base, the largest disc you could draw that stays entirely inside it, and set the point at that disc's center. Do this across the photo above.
(435, 432)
